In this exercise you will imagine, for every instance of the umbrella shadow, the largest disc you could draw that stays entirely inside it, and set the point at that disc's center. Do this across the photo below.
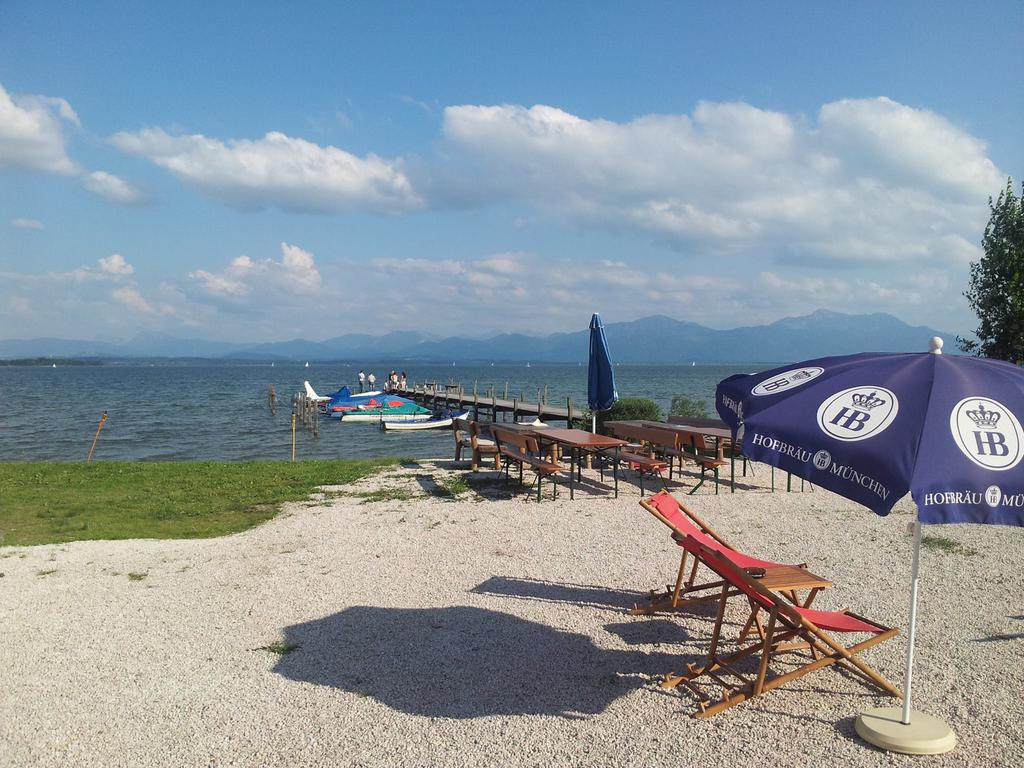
(557, 592)
(650, 632)
(463, 662)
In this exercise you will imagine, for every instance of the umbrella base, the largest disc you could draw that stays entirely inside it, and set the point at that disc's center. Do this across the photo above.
(925, 735)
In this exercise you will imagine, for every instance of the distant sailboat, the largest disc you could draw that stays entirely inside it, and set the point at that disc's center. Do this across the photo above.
(692, 363)
(271, 365)
(307, 365)
(54, 365)
(527, 365)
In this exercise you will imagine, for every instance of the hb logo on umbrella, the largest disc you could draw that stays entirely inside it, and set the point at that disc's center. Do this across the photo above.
(986, 432)
(857, 413)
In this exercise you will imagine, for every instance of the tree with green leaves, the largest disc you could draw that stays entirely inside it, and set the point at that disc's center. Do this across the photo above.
(996, 288)
(688, 407)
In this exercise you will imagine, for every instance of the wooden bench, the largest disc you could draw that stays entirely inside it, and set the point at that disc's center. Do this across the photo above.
(522, 450)
(706, 457)
(643, 463)
(670, 444)
(467, 435)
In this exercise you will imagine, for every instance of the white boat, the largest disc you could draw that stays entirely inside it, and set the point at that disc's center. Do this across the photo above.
(376, 417)
(312, 395)
(432, 423)
(307, 365)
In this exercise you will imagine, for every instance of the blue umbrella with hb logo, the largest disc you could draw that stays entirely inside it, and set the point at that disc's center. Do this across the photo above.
(601, 392)
(871, 427)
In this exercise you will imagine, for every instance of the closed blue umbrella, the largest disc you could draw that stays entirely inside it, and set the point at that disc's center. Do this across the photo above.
(601, 391)
(872, 427)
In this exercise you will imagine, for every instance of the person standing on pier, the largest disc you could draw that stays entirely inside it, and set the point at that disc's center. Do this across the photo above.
(402, 381)
(371, 380)
(362, 379)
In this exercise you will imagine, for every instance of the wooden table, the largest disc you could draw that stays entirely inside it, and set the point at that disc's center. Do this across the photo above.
(579, 442)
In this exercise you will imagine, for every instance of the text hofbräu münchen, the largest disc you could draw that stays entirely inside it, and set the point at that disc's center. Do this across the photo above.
(840, 470)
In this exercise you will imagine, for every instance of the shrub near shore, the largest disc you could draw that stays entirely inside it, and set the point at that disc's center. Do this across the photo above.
(51, 502)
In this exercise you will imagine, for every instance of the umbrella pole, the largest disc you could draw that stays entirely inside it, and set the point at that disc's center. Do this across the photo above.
(913, 623)
(890, 727)
(593, 423)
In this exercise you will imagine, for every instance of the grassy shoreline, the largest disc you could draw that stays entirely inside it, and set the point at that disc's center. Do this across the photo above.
(45, 502)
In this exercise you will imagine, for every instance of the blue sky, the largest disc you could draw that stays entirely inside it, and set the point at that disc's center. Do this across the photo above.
(255, 172)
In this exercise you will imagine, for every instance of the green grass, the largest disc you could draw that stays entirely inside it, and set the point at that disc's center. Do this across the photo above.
(946, 545)
(51, 502)
(456, 485)
(136, 576)
(385, 494)
(279, 647)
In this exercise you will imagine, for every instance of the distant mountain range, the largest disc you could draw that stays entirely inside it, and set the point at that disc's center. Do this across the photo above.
(655, 339)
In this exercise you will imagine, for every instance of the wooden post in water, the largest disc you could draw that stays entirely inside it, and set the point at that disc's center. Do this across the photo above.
(271, 400)
(545, 394)
(293, 435)
(103, 420)
(568, 413)
(506, 391)
(515, 410)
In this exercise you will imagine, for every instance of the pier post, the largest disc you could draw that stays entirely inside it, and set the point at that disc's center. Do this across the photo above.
(515, 410)
(506, 391)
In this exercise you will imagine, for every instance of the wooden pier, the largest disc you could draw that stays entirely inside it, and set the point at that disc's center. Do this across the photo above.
(487, 406)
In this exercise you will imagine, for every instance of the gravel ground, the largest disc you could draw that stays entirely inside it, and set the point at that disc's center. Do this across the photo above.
(482, 630)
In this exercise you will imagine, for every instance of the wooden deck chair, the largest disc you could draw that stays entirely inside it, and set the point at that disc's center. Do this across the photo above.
(813, 630)
(685, 522)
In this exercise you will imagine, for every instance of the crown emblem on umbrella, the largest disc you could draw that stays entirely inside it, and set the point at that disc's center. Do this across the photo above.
(868, 401)
(984, 419)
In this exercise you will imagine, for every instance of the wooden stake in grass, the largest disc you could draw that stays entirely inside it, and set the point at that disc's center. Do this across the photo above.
(103, 420)
(293, 435)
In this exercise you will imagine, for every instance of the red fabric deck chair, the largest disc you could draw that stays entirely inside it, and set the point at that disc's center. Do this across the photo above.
(684, 522)
(786, 623)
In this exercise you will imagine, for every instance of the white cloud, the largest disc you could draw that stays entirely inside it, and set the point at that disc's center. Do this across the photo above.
(115, 264)
(295, 273)
(111, 188)
(31, 133)
(132, 299)
(872, 181)
(277, 170)
(27, 223)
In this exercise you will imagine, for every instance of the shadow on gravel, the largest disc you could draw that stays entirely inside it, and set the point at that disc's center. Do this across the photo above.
(649, 631)
(556, 592)
(464, 662)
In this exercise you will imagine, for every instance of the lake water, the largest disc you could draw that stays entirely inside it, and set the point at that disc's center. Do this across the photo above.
(195, 411)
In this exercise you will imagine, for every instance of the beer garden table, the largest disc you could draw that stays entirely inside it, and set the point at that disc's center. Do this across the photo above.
(579, 442)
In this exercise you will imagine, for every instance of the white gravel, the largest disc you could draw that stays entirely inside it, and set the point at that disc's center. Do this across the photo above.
(488, 630)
